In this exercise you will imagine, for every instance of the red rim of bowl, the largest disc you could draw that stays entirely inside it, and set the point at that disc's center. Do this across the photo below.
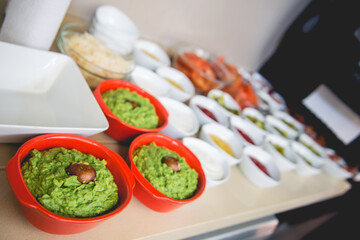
(24, 195)
(112, 84)
(174, 145)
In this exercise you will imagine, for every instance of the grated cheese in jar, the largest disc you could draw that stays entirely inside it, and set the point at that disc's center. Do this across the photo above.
(94, 51)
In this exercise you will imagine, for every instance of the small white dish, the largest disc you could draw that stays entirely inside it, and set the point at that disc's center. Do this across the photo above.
(255, 116)
(150, 81)
(224, 140)
(335, 165)
(259, 82)
(276, 126)
(182, 119)
(311, 144)
(208, 110)
(112, 18)
(115, 28)
(307, 162)
(290, 121)
(44, 92)
(245, 73)
(150, 55)
(279, 147)
(246, 131)
(213, 162)
(259, 167)
(271, 104)
(182, 89)
(227, 103)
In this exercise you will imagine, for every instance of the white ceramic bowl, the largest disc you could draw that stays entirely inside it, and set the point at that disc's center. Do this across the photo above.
(246, 131)
(210, 131)
(202, 105)
(213, 162)
(307, 162)
(113, 18)
(255, 171)
(290, 121)
(228, 104)
(181, 88)
(276, 126)
(311, 144)
(115, 28)
(280, 148)
(336, 167)
(150, 82)
(269, 102)
(255, 116)
(259, 82)
(150, 55)
(182, 119)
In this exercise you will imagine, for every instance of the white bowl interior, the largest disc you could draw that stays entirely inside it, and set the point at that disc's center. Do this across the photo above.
(253, 172)
(289, 120)
(227, 136)
(177, 80)
(182, 119)
(211, 106)
(227, 102)
(150, 55)
(214, 164)
(248, 128)
(48, 95)
(281, 151)
(312, 145)
(307, 162)
(276, 126)
(150, 81)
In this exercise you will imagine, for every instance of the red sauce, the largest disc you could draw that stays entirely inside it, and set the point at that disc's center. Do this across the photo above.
(259, 165)
(245, 136)
(208, 113)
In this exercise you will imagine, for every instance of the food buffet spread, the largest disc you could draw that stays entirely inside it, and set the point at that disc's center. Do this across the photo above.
(188, 143)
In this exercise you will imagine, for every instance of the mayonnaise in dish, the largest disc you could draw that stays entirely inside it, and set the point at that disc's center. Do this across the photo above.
(211, 167)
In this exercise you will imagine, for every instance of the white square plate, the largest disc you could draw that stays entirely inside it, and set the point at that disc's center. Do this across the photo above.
(44, 92)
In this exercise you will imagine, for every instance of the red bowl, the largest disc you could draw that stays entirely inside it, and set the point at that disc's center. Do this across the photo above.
(48, 221)
(146, 192)
(119, 129)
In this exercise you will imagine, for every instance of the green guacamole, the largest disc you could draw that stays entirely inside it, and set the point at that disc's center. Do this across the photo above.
(46, 176)
(121, 103)
(177, 185)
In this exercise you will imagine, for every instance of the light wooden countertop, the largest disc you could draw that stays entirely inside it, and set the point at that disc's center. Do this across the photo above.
(234, 202)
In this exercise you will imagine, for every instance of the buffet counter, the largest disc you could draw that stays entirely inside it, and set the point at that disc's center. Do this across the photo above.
(234, 202)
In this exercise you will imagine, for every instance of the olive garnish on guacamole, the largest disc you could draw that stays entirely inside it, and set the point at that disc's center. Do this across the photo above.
(131, 108)
(84, 171)
(70, 183)
(166, 171)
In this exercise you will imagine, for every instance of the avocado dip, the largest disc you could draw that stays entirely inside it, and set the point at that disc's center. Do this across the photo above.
(131, 108)
(47, 176)
(166, 171)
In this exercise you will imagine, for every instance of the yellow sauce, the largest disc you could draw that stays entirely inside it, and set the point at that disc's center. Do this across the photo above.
(222, 144)
(150, 55)
(174, 84)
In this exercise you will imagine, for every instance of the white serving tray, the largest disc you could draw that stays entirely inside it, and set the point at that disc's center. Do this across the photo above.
(44, 92)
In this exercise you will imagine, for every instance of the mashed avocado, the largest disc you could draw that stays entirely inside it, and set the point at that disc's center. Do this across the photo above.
(174, 184)
(47, 177)
(131, 108)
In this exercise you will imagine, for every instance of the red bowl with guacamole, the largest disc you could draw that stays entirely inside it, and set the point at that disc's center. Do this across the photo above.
(168, 159)
(47, 220)
(129, 109)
